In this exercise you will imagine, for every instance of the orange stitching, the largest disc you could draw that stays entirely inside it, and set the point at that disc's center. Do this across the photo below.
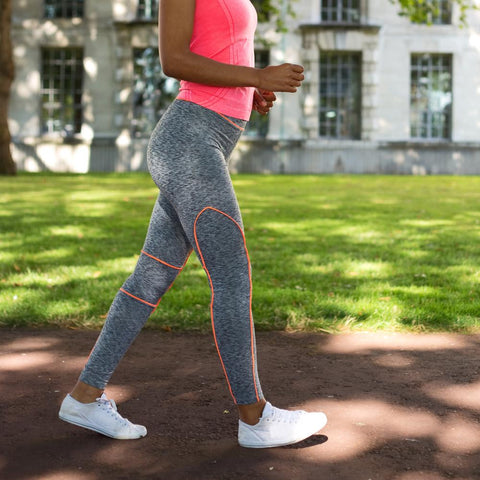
(171, 285)
(161, 261)
(154, 306)
(139, 299)
(234, 124)
(218, 113)
(213, 295)
(186, 260)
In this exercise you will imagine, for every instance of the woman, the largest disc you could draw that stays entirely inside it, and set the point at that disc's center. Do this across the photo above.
(209, 45)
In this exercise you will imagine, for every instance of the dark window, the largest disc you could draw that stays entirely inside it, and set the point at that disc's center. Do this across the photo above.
(431, 96)
(64, 8)
(61, 90)
(258, 124)
(340, 11)
(340, 95)
(147, 9)
(153, 91)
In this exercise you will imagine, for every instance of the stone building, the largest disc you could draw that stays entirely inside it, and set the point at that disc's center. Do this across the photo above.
(381, 95)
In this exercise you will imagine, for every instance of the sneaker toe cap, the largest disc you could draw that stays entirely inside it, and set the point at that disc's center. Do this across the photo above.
(141, 430)
(318, 420)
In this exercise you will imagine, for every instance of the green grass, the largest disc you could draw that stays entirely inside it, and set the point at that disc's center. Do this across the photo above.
(328, 252)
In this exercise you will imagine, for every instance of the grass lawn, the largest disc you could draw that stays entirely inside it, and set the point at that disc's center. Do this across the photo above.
(328, 253)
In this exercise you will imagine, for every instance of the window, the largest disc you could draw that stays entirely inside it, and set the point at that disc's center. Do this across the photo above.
(153, 91)
(340, 95)
(442, 14)
(147, 9)
(258, 124)
(61, 90)
(64, 8)
(340, 11)
(438, 12)
(431, 96)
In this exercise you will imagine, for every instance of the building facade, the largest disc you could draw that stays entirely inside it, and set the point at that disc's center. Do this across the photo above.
(381, 95)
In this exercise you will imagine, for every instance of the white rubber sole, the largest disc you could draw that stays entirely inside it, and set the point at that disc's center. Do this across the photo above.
(96, 429)
(318, 427)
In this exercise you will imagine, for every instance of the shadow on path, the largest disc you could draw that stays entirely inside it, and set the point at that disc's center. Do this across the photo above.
(400, 407)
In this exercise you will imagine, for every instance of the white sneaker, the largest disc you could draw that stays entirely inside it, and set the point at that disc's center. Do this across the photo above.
(100, 416)
(280, 427)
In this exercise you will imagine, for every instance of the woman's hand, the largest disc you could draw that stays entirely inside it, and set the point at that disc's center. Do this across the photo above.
(282, 78)
(263, 101)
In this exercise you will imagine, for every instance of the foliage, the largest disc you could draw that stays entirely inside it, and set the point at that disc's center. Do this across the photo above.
(418, 11)
(275, 11)
(422, 11)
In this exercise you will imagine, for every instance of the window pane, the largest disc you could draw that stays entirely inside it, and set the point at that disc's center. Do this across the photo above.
(61, 91)
(153, 91)
(340, 11)
(64, 8)
(340, 95)
(147, 9)
(441, 12)
(258, 124)
(430, 96)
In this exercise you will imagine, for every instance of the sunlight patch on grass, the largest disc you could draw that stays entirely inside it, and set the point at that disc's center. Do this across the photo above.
(427, 223)
(328, 253)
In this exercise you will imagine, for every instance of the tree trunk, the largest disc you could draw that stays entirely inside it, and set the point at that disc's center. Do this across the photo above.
(7, 165)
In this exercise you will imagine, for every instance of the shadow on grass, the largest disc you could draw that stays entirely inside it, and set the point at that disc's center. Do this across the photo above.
(327, 252)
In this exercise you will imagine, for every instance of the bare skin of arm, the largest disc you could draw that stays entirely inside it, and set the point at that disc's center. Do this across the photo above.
(176, 18)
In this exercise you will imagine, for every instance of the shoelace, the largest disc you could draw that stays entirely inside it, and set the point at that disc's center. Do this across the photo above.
(110, 407)
(285, 416)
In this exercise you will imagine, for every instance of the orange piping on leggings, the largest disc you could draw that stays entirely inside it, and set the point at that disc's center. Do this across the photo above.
(234, 124)
(171, 285)
(139, 299)
(161, 261)
(213, 296)
(155, 305)
(218, 113)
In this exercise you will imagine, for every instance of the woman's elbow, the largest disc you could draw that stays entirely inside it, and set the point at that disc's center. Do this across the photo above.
(169, 69)
(172, 65)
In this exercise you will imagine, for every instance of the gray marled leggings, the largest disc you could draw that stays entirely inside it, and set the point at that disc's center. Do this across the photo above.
(196, 207)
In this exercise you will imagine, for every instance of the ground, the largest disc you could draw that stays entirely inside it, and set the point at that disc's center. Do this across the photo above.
(400, 407)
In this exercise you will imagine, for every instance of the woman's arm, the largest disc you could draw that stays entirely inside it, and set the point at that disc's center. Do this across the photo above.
(175, 24)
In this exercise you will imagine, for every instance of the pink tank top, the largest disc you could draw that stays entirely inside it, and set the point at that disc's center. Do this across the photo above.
(223, 31)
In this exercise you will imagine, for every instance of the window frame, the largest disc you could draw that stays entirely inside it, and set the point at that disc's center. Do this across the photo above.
(339, 13)
(258, 125)
(58, 93)
(60, 9)
(353, 116)
(444, 65)
(147, 5)
(141, 126)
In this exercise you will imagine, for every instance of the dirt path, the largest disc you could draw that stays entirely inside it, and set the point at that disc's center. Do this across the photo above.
(400, 407)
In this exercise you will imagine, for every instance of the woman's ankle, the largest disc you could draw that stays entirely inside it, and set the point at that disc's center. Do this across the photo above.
(85, 393)
(251, 414)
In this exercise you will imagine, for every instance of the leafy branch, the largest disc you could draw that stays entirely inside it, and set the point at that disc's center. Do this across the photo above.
(424, 11)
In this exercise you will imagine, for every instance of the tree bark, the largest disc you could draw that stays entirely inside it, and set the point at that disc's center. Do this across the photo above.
(7, 165)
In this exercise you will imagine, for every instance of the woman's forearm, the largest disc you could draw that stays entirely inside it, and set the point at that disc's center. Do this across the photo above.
(196, 68)
(176, 18)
